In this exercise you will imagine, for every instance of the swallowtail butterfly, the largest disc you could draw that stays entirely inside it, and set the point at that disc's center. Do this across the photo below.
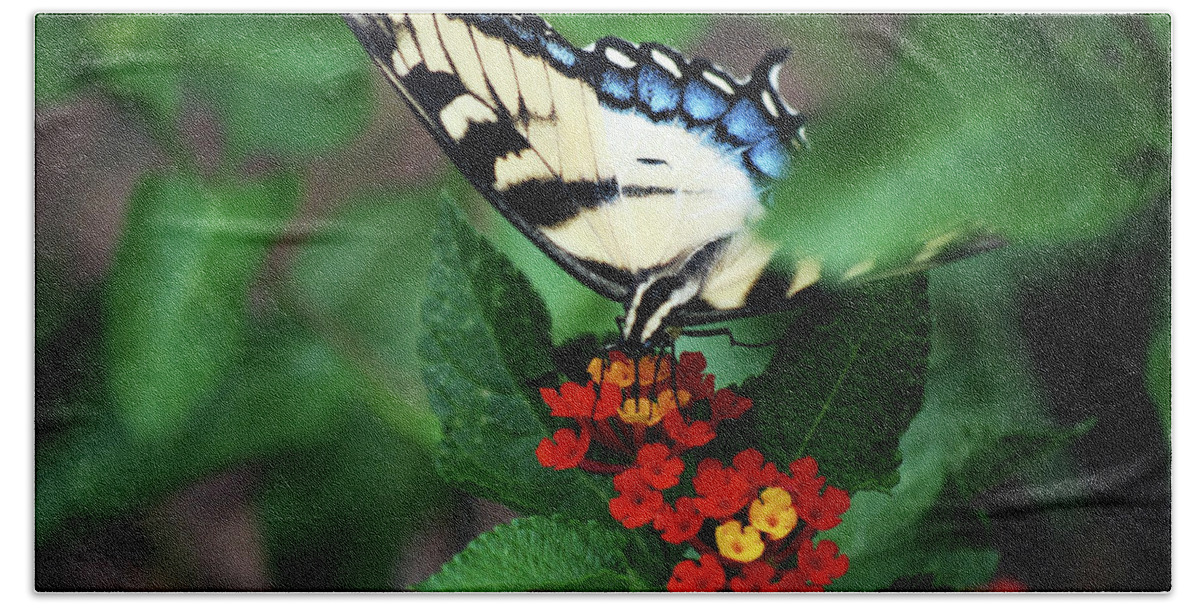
(639, 171)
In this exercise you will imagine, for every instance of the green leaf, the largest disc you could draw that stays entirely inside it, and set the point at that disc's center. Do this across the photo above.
(177, 296)
(337, 514)
(360, 282)
(55, 297)
(290, 388)
(286, 393)
(676, 30)
(138, 59)
(979, 395)
(541, 554)
(290, 85)
(846, 381)
(487, 346)
(57, 56)
(1041, 128)
(294, 85)
(1158, 375)
(963, 568)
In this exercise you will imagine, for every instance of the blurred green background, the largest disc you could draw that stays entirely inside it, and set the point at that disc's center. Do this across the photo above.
(232, 225)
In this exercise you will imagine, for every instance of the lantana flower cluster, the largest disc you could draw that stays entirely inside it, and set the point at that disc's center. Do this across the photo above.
(751, 524)
(630, 404)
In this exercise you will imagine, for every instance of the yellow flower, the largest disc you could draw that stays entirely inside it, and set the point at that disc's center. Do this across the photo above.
(738, 543)
(641, 411)
(773, 513)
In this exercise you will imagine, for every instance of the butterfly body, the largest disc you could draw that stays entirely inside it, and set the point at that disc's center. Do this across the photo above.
(641, 173)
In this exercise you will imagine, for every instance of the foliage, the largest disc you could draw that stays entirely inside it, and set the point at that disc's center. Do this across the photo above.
(186, 376)
(487, 342)
(391, 355)
(541, 554)
(850, 420)
(1040, 129)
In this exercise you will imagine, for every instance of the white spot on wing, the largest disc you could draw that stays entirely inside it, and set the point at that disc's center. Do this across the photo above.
(619, 58)
(773, 79)
(769, 104)
(718, 82)
(858, 270)
(808, 271)
(773, 75)
(667, 63)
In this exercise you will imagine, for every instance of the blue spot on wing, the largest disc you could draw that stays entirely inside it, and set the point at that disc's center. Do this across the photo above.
(561, 53)
(617, 85)
(657, 90)
(702, 102)
(733, 123)
(746, 123)
(769, 156)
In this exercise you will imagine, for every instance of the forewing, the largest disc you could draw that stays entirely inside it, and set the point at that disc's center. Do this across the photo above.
(526, 133)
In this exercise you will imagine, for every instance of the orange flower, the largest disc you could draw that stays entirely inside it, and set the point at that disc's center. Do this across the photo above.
(618, 372)
(652, 370)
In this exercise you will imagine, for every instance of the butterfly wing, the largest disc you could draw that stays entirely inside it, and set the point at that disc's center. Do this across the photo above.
(618, 162)
(639, 172)
(523, 132)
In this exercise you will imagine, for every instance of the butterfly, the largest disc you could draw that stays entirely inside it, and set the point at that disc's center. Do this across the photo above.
(638, 171)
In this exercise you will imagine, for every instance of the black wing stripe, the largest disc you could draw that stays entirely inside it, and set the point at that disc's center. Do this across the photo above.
(481, 142)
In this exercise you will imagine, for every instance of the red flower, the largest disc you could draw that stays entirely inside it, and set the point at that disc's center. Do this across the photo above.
(803, 480)
(749, 464)
(727, 405)
(722, 492)
(610, 401)
(681, 523)
(690, 376)
(658, 467)
(691, 435)
(1004, 583)
(636, 503)
(795, 580)
(576, 401)
(821, 564)
(691, 365)
(822, 511)
(688, 576)
(756, 576)
(565, 451)
(642, 411)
